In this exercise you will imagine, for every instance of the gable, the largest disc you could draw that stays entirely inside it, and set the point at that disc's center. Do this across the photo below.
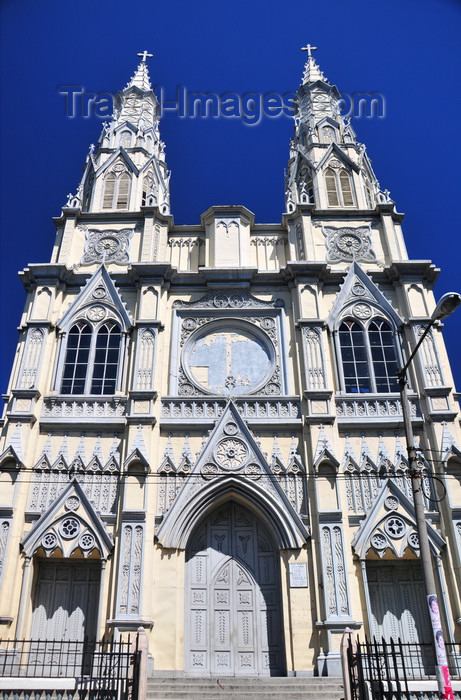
(231, 465)
(99, 290)
(358, 287)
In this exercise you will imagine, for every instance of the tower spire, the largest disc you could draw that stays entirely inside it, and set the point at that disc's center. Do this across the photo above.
(312, 72)
(141, 77)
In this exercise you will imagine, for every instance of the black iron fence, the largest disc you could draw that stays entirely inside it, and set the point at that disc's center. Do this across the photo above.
(388, 670)
(105, 670)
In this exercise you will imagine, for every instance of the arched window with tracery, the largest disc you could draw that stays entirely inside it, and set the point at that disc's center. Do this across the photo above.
(368, 356)
(116, 190)
(92, 359)
(339, 188)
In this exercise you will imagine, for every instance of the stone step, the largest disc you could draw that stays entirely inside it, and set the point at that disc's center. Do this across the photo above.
(236, 688)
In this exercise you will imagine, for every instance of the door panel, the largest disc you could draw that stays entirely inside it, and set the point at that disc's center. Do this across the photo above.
(233, 599)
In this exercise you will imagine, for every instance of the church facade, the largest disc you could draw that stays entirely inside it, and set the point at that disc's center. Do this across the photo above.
(203, 433)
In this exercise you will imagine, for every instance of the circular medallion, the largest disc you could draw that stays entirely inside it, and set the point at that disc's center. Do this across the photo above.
(395, 527)
(86, 541)
(107, 245)
(72, 503)
(69, 527)
(361, 311)
(99, 293)
(236, 300)
(209, 471)
(231, 453)
(413, 540)
(221, 301)
(189, 324)
(358, 290)
(253, 471)
(49, 540)
(391, 503)
(378, 541)
(349, 243)
(96, 313)
(267, 323)
(230, 428)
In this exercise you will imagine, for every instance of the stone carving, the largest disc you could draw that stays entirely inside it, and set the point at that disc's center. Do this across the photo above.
(108, 246)
(314, 358)
(30, 365)
(231, 300)
(231, 453)
(347, 244)
(335, 585)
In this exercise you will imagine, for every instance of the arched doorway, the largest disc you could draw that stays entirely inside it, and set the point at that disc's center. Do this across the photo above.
(233, 597)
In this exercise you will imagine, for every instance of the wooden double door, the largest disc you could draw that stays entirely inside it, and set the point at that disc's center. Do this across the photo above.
(233, 597)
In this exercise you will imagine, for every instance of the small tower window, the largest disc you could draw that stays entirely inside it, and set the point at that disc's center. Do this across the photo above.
(328, 134)
(339, 188)
(116, 191)
(332, 191)
(125, 139)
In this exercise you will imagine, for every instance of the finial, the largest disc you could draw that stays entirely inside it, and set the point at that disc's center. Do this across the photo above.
(144, 55)
(309, 48)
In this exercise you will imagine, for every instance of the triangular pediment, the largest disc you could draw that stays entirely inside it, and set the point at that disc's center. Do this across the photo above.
(334, 150)
(121, 155)
(99, 290)
(8, 456)
(231, 465)
(358, 288)
(390, 525)
(70, 525)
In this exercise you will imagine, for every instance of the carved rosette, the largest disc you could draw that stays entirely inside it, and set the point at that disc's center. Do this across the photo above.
(108, 246)
(347, 244)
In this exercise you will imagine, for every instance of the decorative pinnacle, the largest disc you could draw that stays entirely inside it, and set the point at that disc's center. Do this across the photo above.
(144, 55)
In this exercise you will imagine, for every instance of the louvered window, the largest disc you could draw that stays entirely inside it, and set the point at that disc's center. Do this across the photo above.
(339, 188)
(332, 191)
(116, 191)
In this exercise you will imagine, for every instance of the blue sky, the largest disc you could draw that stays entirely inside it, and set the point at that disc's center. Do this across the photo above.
(408, 52)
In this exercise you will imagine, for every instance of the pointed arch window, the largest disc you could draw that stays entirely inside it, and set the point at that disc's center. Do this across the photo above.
(92, 359)
(368, 357)
(339, 188)
(116, 191)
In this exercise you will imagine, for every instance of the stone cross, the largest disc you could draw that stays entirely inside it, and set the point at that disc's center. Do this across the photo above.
(309, 48)
(144, 55)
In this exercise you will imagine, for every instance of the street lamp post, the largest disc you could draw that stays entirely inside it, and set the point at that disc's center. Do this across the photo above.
(447, 304)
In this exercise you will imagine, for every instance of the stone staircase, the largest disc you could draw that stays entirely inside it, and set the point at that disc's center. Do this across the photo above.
(239, 688)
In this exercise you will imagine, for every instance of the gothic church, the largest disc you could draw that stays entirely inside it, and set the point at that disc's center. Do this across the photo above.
(203, 433)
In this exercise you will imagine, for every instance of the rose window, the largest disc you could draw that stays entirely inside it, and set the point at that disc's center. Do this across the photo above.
(86, 541)
(69, 527)
(378, 541)
(49, 540)
(231, 453)
(395, 527)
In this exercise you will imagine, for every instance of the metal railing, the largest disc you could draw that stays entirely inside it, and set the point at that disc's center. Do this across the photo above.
(390, 668)
(105, 669)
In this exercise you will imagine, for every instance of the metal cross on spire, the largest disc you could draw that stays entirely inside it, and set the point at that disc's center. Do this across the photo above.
(309, 48)
(144, 55)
